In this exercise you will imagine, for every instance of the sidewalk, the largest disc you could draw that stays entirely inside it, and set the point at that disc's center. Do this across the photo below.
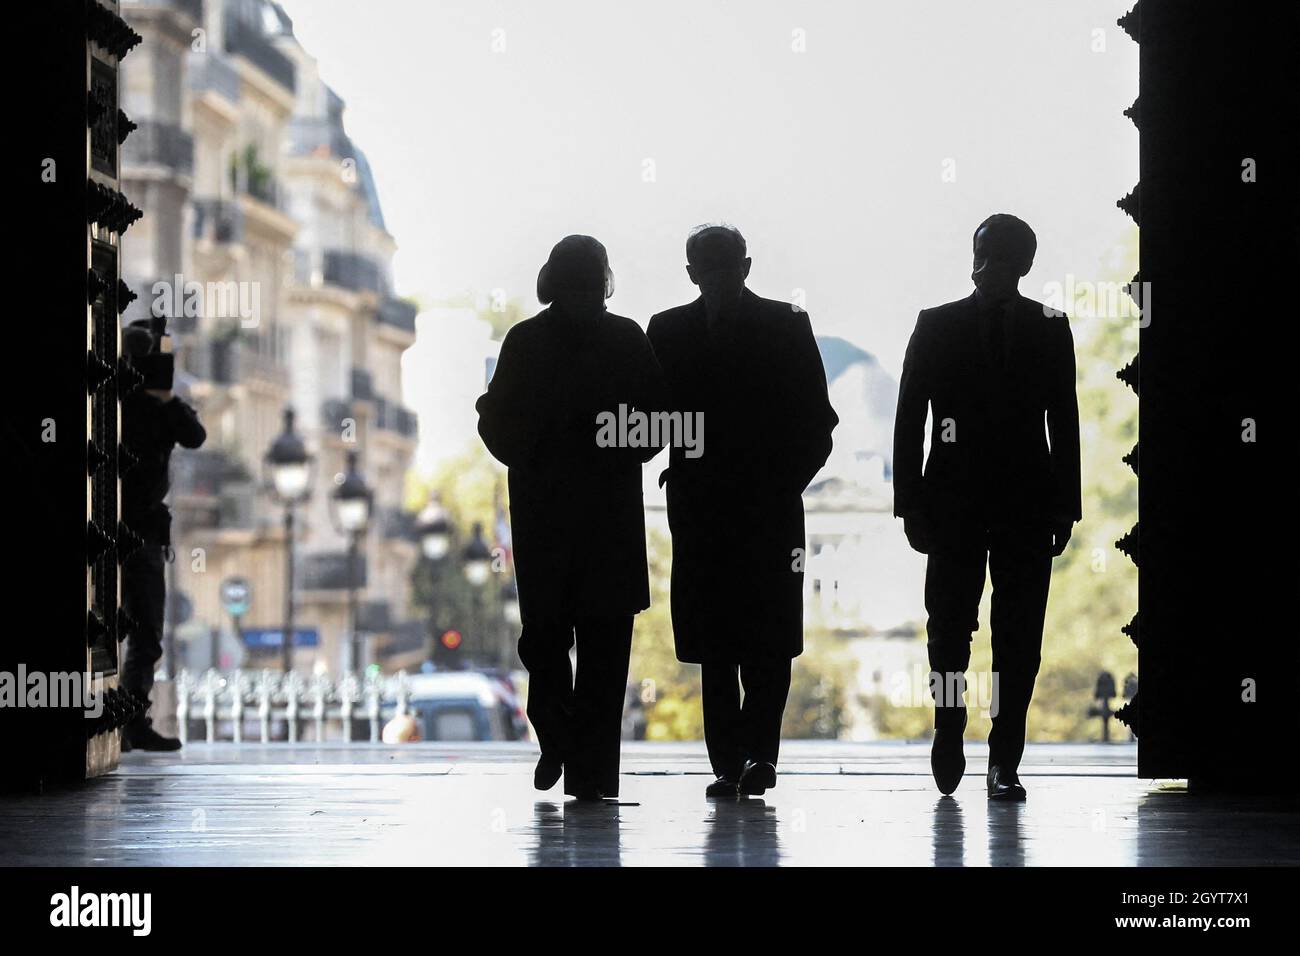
(436, 804)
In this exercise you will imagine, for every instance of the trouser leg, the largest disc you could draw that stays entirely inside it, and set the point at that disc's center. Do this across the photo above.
(720, 690)
(144, 598)
(544, 648)
(954, 582)
(767, 685)
(599, 692)
(1021, 570)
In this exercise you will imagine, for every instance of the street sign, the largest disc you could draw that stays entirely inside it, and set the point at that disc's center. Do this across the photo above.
(236, 596)
(262, 637)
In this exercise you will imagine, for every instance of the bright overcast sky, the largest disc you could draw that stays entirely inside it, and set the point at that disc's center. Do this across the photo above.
(831, 160)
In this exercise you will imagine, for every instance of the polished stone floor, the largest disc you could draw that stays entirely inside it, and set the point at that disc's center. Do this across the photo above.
(436, 804)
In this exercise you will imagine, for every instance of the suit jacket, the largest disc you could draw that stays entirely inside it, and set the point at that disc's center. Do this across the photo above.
(736, 511)
(1004, 441)
(576, 516)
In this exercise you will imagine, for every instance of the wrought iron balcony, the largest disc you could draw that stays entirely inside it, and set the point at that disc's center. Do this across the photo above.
(397, 312)
(212, 72)
(246, 40)
(334, 412)
(160, 144)
(352, 270)
(218, 220)
(392, 417)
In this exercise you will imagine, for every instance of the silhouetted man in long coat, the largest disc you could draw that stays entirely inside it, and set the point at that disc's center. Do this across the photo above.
(576, 513)
(750, 366)
(1000, 487)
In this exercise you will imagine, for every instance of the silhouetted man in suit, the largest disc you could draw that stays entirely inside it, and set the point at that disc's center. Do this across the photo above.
(1000, 487)
(751, 367)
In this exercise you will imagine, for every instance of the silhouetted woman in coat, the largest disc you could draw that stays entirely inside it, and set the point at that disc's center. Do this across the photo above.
(577, 522)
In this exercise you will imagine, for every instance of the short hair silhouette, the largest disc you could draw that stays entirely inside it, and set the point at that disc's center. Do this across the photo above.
(577, 264)
(715, 245)
(1013, 234)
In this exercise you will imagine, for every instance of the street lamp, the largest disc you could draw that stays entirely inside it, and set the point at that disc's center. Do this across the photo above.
(434, 531)
(477, 560)
(510, 603)
(288, 479)
(352, 503)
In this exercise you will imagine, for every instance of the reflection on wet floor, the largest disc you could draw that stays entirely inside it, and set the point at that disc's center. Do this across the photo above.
(222, 805)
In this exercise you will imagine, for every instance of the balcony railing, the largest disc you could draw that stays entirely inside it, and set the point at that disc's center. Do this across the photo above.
(352, 270)
(392, 417)
(218, 220)
(398, 313)
(213, 72)
(328, 571)
(191, 8)
(244, 39)
(160, 144)
(229, 361)
(334, 413)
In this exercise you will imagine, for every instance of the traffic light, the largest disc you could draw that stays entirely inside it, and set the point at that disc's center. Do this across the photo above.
(447, 653)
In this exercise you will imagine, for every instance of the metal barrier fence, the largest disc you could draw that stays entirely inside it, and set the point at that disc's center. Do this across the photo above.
(271, 697)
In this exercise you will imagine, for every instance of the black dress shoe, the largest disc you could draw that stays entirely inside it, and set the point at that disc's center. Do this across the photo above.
(757, 777)
(947, 759)
(146, 738)
(722, 787)
(1005, 785)
(585, 793)
(548, 772)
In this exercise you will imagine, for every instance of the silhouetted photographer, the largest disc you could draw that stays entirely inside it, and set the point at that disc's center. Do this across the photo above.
(751, 367)
(576, 514)
(154, 421)
(1000, 487)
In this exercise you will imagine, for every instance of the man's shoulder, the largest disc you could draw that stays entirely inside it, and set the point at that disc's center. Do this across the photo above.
(670, 320)
(948, 311)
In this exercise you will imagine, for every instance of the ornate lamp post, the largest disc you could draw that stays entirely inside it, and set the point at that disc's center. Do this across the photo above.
(351, 505)
(434, 531)
(478, 568)
(288, 479)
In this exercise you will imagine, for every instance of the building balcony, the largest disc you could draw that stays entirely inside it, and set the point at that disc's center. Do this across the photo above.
(233, 361)
(160, 144)
(246, 40)
(398, 313)
(218, 220)
(328, 571)
(392, 417)
(212, 489)
(212, 73)
(334, 414)
(352, 270)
